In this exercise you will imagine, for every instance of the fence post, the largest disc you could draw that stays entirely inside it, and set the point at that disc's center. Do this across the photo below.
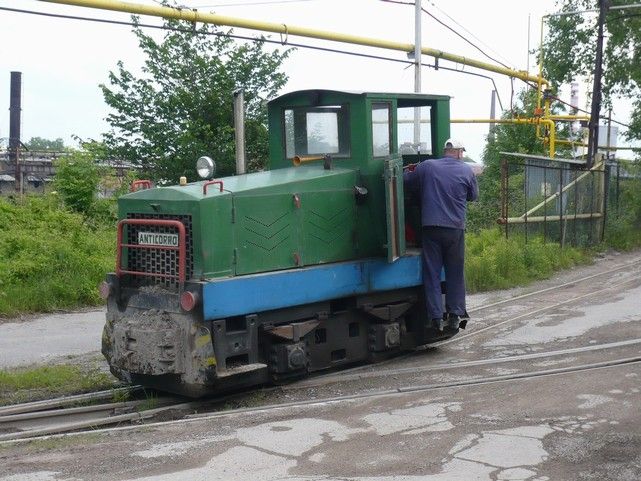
(561, 225)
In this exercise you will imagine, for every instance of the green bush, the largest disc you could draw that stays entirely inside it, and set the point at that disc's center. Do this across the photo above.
(50, 258)
(494, 262)
(77, 179)
(623, 225)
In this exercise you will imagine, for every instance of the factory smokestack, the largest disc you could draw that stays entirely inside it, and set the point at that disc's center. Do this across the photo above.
(15, 110)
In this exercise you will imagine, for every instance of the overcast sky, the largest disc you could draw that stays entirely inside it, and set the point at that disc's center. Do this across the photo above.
(63, 61)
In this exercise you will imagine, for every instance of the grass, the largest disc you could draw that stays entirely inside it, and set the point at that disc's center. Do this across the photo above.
(50, 258)
(494, 262)
(31, 384)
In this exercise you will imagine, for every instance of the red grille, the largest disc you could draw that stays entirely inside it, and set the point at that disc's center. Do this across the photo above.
(155, 264)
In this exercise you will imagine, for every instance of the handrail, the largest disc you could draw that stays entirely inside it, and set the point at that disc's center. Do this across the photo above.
(212, 182)
(145, 184)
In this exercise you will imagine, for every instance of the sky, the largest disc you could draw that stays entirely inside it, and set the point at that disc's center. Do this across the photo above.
(64, 61)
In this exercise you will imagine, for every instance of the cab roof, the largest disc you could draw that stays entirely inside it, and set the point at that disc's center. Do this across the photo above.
(316, 97)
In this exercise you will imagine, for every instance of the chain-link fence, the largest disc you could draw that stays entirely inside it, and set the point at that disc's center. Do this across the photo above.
(559, 201)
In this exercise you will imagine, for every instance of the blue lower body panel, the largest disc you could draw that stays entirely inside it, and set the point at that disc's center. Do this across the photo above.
(237, 296)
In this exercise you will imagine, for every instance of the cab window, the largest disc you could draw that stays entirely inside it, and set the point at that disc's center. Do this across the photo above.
(406, 144)
(381, 133)
(317, 131)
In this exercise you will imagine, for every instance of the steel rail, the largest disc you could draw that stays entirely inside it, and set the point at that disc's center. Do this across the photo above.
(400, 391)
(287, 30)
(338, 377)
(93, 423)
(66, 400)
(53, 413)
(534, 312)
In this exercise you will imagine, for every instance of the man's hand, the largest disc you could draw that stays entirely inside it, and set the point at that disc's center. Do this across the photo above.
(409, 168)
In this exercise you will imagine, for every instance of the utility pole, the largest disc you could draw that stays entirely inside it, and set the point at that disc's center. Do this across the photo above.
(492, 113)
(418, 11)
(593, 127)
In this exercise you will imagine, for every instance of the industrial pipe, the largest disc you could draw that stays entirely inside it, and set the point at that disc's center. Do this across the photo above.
(286, 30)
(239, 131)
(533, 121)
(297, 160)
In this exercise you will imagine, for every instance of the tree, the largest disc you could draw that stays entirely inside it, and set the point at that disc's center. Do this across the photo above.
(570, 49)
(180, 108)
(77, 179)
(518, 138)
(39, 143)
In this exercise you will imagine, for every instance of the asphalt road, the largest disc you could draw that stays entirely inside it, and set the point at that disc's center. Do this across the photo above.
(47, 338)
(543, 388)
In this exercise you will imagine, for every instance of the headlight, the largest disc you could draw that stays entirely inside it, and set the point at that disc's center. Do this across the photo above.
(206, 167)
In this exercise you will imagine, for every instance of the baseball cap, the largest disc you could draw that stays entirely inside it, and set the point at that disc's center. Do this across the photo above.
(454, 144)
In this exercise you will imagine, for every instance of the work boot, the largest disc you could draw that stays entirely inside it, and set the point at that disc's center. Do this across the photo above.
(453, 321)
(438, 324)
(464, 318)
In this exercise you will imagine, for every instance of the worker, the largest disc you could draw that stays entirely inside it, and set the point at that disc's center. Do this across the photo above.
(444, 186)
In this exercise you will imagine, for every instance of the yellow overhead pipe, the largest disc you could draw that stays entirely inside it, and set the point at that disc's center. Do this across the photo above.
(571, 118)
(286, 30)
(533, 121)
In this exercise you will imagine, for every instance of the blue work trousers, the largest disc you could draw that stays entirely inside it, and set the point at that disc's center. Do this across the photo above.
(444, 248)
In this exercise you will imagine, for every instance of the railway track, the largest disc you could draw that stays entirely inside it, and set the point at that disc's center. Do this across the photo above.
(332, 379)
(398, 391)
(64, 414)
(52, 417)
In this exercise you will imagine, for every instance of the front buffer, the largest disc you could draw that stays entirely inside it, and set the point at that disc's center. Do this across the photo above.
(236, 332)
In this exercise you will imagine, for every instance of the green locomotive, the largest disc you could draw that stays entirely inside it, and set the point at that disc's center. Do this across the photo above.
(232, 282)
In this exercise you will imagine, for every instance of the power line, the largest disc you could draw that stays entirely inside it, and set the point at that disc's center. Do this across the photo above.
(450, 29)
(463, 27)
(251, 39)
(568, 104)
(297, 45)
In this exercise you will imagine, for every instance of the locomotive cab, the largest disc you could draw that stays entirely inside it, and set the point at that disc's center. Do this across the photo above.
(251, 278)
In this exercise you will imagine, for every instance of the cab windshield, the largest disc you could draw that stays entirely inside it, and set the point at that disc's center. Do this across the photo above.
(317, 131)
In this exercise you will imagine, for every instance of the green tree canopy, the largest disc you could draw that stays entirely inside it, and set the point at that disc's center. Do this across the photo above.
(39, 143)
(181, 106)
(570, 50)
(516, 138)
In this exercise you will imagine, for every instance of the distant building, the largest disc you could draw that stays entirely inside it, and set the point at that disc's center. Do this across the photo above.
(38, 170)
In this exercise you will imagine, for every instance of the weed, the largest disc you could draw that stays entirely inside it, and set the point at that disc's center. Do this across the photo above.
(121, 396)
(150, 402)
(29, 384)
(50, 258)
(494, 262)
